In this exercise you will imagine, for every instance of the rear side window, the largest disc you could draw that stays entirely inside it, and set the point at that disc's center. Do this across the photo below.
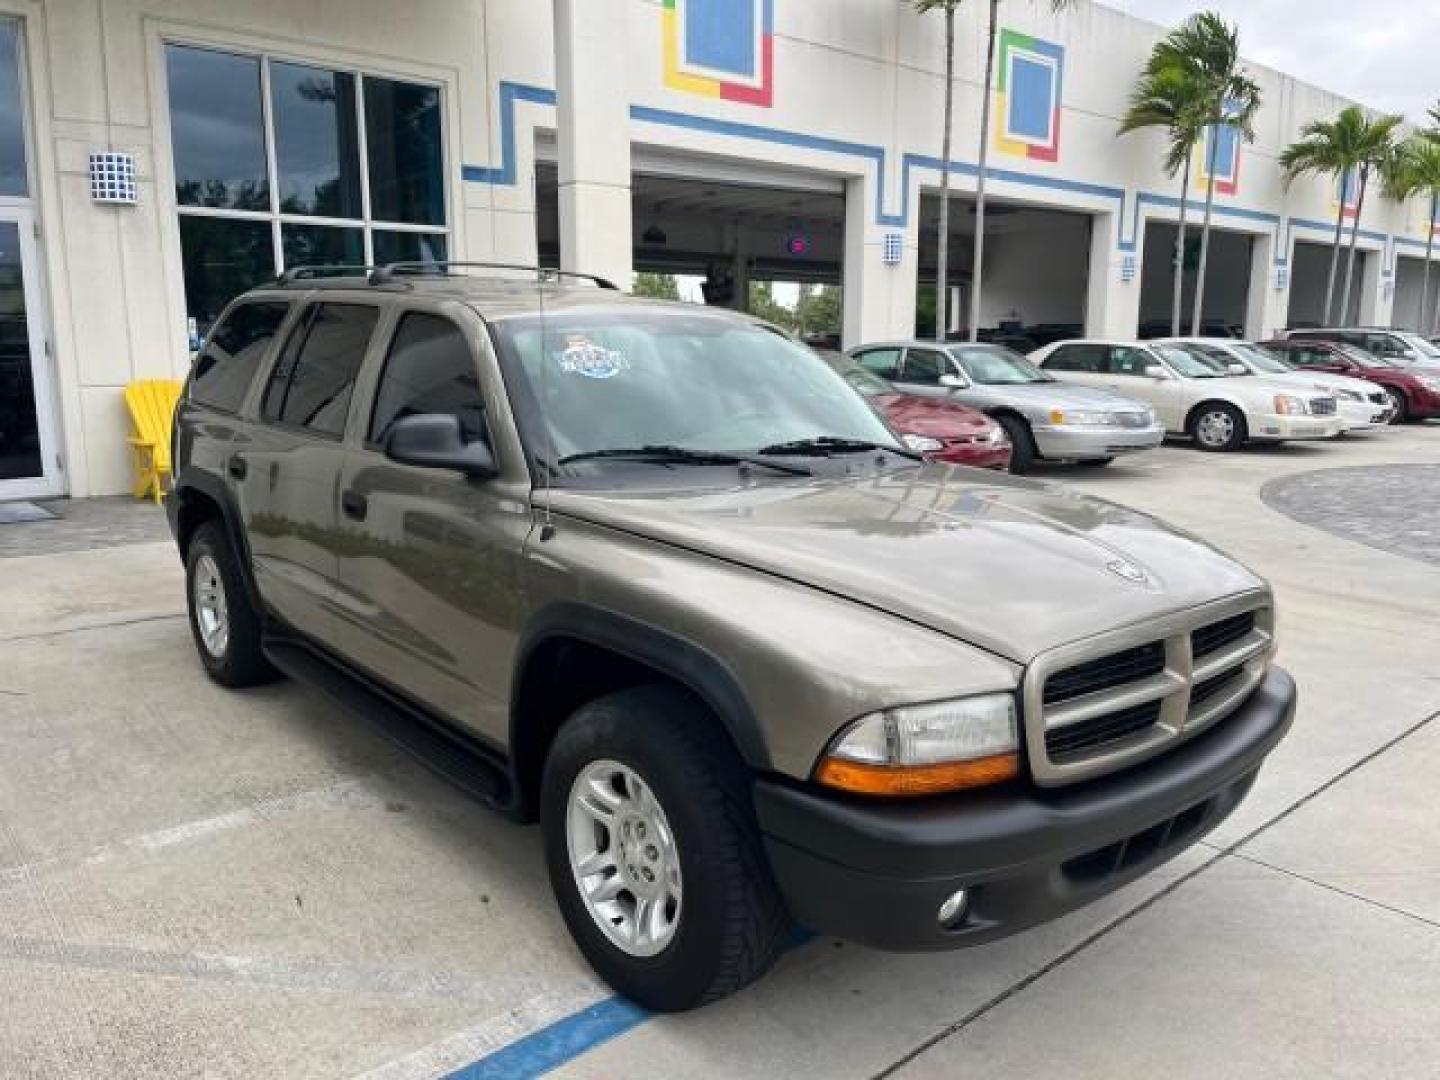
(315, 375)
(1122, 360)
(883, 362)
(1083, 358)
(429, 369)
(925, 366)
(226, 365)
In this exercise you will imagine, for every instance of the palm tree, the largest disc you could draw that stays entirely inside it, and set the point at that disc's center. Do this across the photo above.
(942, 318)
(977, 259)
(1166, 97)
(1207, 50)
(1351, 143)
(1416, 171)
(1378, 153)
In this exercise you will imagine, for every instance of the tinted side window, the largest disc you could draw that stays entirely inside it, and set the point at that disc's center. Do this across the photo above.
(430, 369)
(925, 366)
(1126, 361)
(225, 367)
(311, 384)
(1084, 358)
(883, 362)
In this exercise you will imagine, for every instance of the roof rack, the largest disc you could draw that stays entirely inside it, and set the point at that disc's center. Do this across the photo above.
(391, 272)
(322, 270)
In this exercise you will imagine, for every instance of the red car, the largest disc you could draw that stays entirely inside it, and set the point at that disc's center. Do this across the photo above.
(944, 430)
(1414, 390)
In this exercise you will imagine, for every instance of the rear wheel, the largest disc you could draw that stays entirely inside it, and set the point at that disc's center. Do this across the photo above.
(1218, 427)
(653, 851)
(1401, 403)
(1022, 443)
(225, 626)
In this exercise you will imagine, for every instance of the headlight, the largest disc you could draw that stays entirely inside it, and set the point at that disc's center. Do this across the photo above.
(922, 443)
(997, 436)
(1286, 405)
(1081, 417)
(924, 749)
(1430, 382)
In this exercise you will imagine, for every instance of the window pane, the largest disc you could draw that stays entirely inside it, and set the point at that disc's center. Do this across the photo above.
(19, 419)
(222, 258)
(217, 129)
(430, 369)
(12, 122)
(924, 366)
(883, 362)
(225, 368)
(321, 245)
(393, 247)
(402, 137)
(316, 151)
(313, 391)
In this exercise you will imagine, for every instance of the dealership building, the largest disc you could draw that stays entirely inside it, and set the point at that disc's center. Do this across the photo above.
(158, 156)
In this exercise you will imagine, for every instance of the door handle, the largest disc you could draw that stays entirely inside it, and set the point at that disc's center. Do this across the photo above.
(237, 467)
(354, 504)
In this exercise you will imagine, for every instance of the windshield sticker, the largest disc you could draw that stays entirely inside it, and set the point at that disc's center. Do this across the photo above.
(581, 356)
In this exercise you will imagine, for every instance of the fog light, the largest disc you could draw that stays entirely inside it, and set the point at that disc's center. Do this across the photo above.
(952, 909)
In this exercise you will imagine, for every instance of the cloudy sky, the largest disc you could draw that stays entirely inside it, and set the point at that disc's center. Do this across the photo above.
(1385, 53)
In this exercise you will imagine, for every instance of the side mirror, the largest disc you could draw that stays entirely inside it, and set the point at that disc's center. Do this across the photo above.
(1237, 369)
(436, 441)
(958, 382)
(1156, 371)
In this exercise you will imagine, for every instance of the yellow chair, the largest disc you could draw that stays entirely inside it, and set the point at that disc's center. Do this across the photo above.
(152, 410)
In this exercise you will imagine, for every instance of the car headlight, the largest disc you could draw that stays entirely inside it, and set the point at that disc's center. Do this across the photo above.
(1430, 382)
(1286, 405)
(997, 436)
(1066, 417)
(924, 749)
(922, 443)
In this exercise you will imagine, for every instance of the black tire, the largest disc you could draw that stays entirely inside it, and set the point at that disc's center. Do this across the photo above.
(732, 922)
(1401, 403)
(1238, 430)
(240, 662)
(1095, 462)
(1022, 443)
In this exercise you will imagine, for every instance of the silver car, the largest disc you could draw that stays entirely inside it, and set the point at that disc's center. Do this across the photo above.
(1045, 418)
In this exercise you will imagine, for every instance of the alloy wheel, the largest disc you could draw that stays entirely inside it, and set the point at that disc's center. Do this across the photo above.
(212, 613)
(1215, 428)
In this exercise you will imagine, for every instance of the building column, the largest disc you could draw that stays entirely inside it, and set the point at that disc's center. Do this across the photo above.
(1377, 289)
(1112, 294)
(879, 297)
(1267, 302)
(594, 139)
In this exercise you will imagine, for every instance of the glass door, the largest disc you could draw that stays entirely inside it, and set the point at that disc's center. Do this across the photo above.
(29, 466)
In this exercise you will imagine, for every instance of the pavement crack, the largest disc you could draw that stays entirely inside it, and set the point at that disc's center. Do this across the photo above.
(1145, 905)
(104, 625)
(1371, 901)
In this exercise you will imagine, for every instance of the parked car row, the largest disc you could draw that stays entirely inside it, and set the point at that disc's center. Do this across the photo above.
(1089, 401)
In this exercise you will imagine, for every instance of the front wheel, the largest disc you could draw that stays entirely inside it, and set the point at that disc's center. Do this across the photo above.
(653, 851)
(1022, 443)
(1218, 428)
(1401, 403)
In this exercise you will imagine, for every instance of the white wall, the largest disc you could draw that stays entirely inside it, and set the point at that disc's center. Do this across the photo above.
(1037, 275)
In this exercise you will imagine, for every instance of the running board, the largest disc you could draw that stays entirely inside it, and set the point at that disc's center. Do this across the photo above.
(463, 760)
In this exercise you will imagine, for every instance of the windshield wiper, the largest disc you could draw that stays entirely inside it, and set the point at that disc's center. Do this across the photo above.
(830, 445)
(682, 455)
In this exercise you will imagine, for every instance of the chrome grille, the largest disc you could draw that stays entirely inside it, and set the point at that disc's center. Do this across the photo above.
(1118, 698)
(1324, 406)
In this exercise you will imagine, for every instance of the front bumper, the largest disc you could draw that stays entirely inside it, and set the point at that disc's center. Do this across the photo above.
(976, 455)
(1364, 415)
(1076, 443)
(1296, 427)
(876, 872)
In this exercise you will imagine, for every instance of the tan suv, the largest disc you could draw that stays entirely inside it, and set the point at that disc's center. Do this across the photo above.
(657, 576)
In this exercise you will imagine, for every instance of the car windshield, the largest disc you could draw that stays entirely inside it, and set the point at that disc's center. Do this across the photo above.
(1191, 363)
(997, 366)
(607, 381)
(1261, 360)
(1426, 350)
(1364, 357)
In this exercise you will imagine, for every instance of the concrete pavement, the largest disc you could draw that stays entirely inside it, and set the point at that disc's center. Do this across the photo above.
(198, 882)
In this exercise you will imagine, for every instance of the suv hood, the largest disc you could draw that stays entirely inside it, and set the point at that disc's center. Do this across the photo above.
(1010, 565)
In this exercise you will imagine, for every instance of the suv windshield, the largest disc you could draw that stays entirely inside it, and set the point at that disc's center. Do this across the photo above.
(1190, 363)
(607, 380)
(997, 366)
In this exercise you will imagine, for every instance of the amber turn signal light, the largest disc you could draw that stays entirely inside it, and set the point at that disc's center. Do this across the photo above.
(863, 779)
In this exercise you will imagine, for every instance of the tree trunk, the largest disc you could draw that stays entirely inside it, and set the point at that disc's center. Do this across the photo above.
(1177, 302)
(977, 271)
(1205, 233)
(1424, 327)
(942, 321)
(1354, 235)
(1335, 252)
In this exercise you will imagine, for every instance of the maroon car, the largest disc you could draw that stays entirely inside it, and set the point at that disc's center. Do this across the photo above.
(944, 430)
(1414, 390)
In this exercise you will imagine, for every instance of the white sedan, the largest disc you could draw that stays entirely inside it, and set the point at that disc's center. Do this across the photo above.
(1364, 406)
(1219, 407)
